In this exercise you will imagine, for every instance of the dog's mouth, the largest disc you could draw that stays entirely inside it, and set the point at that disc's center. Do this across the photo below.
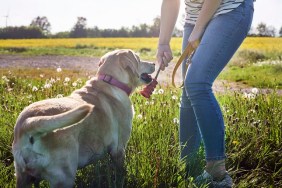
(145, 77)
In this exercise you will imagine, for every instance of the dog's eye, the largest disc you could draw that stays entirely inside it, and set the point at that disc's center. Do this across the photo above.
(31, 139)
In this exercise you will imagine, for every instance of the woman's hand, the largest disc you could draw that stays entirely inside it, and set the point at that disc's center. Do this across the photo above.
(195, 38)
(164, 55)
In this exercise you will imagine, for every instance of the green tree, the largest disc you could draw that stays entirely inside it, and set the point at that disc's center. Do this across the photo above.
(155, 28)
(79, 30)
(266, 31)
(42, 23)
(261, 28)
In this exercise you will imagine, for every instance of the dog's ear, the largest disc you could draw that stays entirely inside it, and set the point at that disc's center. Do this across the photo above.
(129, 60)
(101, 62)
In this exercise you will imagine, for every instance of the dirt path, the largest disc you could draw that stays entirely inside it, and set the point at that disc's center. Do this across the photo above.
(91, 63)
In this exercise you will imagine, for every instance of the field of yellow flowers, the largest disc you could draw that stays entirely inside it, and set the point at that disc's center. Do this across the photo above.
(251, 43)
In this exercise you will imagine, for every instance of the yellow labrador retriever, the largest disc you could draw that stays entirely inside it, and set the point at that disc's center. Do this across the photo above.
(55, 137)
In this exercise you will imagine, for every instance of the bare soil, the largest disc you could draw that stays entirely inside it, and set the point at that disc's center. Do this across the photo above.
(90, 64)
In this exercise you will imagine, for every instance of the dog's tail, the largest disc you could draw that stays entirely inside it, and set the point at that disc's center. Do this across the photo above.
(46, 124)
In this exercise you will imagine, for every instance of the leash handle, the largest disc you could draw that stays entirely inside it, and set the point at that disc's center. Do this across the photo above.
(157, 74)
(189, 50)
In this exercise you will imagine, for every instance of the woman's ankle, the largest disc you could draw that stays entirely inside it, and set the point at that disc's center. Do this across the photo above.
(216, 169)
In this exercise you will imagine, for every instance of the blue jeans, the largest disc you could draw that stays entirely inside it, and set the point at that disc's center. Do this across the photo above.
(200, 113)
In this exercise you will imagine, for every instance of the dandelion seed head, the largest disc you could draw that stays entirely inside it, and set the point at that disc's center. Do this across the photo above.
(67, 79)
(59, 69)
(52, 81)
(59, 96)
(5, 78)
(161, 91)
(34, 88)
(249, 95)
(176, 120)
(47, 86)
(74, 84)
(174, 97)
(139, 116)
(255, 91)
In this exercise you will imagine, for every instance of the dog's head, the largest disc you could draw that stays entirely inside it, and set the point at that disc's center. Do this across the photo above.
(126, 66)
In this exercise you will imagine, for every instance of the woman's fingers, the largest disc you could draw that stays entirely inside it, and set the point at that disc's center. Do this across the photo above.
(195, 44)
(164, 56)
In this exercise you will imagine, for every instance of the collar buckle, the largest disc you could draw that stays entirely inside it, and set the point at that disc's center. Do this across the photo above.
(107, 78)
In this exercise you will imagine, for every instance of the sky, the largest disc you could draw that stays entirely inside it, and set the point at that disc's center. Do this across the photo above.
(62, 14)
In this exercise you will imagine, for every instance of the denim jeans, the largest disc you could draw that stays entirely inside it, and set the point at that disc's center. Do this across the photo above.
(200, 114)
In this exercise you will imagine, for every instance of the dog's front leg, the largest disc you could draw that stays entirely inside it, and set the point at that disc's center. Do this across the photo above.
(119, 168)
(24, 180)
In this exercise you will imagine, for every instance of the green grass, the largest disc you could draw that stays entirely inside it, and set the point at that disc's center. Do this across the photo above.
(266, 76)
(253, 134)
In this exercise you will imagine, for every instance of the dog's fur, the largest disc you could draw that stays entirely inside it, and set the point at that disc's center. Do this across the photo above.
(55, 137)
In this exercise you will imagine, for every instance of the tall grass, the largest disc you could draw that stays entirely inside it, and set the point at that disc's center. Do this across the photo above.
(253, 140)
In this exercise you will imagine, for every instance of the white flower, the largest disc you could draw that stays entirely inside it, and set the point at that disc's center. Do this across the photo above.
(34, 88)
(41, 75)
(67, 79)
(59, 96)
(174, 97)
(74, 84)
(161, 91)
(52, 80)
(5, 78)
(147, 103)
(249, 95)
(59, 69)
(139, 116)
(175, 120)
(47, 85)
(255, 91)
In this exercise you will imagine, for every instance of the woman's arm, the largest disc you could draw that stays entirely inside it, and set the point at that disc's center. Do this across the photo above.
(208, 10)
(169, 14)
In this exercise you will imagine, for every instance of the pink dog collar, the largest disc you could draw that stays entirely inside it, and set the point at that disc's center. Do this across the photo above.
(112, 81)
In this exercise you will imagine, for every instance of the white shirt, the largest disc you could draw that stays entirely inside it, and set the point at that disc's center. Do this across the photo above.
(193, 8)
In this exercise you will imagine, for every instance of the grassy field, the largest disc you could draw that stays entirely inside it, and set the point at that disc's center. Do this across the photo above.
(253, 120)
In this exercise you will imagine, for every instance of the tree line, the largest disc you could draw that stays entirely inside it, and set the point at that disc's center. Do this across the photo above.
(40, 27)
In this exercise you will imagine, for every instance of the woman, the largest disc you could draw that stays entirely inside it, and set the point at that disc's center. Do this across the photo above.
(215, 29)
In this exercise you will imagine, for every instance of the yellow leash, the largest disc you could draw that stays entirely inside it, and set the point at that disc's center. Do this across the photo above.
(189, 50)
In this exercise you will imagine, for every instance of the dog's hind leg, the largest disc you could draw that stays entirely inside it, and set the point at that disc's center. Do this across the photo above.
(119, 168)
